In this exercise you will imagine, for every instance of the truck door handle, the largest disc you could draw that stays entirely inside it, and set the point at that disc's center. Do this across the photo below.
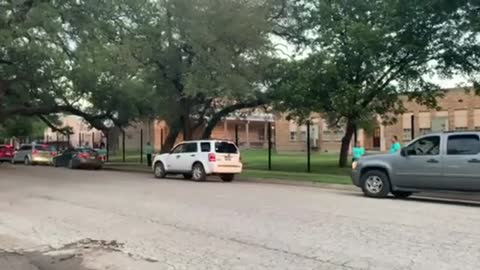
(178, 156)
(432, 161)
(474, 160)
(192, 155)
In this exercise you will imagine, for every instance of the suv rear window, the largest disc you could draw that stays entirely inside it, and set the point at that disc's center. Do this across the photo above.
(225, 148)
(42, 147)
(463, 145)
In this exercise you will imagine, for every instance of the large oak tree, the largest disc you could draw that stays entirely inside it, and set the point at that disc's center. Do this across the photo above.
(364, 55)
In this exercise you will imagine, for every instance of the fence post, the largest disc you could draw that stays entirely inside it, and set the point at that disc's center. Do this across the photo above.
(107, 145)
(93, 139)
(141, 146)
(123, 146)
(413, 126)
(309, 169)
(236, 135)
(269, 146)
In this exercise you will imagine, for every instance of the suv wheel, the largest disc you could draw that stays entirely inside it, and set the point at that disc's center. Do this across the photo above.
(401, 194)
(227, 177)
(375, 184)
(198, 173)
(159, 170)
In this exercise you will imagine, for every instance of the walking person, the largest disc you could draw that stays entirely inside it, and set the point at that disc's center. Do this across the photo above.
(396, 146)
(357, 151)
(148, 152)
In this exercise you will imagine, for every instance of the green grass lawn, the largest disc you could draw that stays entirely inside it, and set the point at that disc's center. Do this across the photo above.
(285, 166)
(321, 163)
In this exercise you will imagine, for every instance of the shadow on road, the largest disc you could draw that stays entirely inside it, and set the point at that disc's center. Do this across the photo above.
(39, 261)
(460, 199)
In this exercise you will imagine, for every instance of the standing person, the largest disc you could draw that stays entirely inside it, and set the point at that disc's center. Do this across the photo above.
(148, 152)
(396, 146)
(358, 151)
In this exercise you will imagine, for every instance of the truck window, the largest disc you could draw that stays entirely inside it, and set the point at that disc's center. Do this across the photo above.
(463, 145)
(428, 146)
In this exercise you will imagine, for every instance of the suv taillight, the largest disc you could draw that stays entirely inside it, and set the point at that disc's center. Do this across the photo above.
(212, 157)
(83, 155)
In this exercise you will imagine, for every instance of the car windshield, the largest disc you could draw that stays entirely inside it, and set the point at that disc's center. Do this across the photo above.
(225, 148)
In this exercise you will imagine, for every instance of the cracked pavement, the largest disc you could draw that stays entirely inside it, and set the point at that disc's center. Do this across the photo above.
(112, 220)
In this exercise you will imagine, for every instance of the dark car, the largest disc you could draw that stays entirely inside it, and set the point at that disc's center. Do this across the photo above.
(6, 153)
(80, 158)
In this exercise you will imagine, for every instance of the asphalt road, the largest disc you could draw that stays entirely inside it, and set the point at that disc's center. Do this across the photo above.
(111, 220)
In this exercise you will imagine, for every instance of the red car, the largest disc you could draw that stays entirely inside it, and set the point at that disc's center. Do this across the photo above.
(6, 153)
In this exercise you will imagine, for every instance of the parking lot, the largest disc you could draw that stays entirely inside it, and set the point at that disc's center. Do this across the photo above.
(111, 220)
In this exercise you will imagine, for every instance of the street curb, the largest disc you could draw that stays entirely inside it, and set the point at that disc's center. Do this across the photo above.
(298, 183)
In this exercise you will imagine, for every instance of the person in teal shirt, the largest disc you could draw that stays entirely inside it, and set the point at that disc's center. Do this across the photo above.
(396, 146)
(358, 151)
(149, 152)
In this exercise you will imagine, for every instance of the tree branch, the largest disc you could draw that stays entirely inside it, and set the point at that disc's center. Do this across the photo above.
(53, 127)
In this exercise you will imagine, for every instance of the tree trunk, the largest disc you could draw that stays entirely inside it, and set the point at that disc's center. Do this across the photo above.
(114, 140)
(170, 140)
(211, 124)
(175, 127)
(347, 138)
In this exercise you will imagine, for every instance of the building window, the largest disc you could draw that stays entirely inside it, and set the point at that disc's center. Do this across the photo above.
(261, 134)
(293, 136)
(303, 136)
(424, 131)
(407, 134)
(461, 120)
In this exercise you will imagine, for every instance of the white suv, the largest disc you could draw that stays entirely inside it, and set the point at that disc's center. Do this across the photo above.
(198, 159)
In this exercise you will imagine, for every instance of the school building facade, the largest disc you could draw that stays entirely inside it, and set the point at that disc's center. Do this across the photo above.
(459, 110)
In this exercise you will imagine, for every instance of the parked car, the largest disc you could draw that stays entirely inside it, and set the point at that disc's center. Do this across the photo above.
(80, 158)
(6, 153)
(32, 154)
(198, 159)
(435, 162)
(58, 146)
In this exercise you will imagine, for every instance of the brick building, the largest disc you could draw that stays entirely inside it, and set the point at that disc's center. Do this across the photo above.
(459, 110)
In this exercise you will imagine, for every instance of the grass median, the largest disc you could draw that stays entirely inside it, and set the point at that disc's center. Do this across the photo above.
(285, 166)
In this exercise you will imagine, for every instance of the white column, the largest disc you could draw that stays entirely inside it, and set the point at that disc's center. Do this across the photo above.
(247, 131)
(383, 141)
(225, 130)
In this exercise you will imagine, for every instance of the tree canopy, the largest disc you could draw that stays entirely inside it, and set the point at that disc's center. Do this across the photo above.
(117, 61)
(365, 55)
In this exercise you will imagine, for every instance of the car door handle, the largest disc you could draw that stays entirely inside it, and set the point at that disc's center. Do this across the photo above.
(432, 161)
(474, 160)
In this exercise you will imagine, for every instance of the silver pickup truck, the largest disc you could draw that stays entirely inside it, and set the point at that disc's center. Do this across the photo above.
(435, 162)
